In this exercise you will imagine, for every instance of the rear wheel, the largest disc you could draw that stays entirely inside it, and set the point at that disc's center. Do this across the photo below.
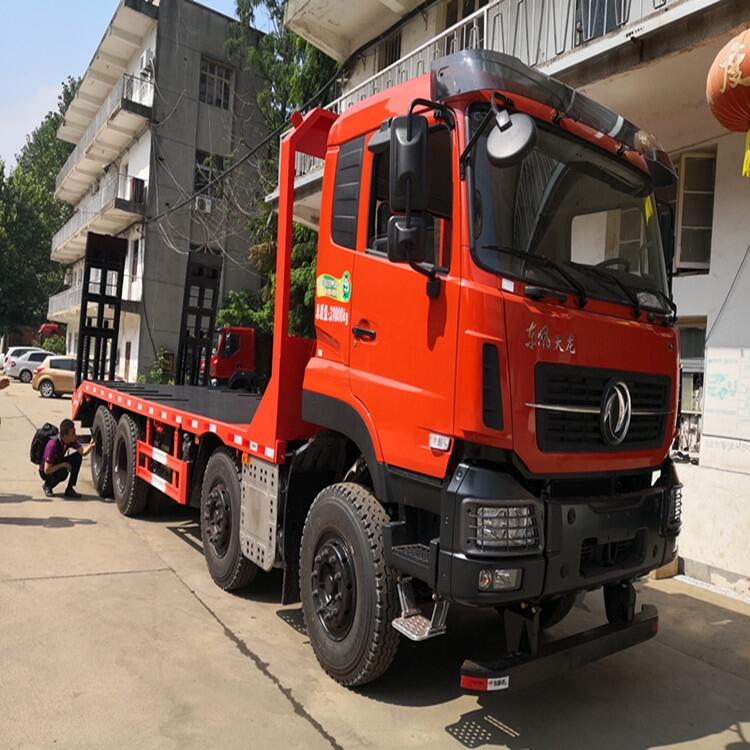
(103, 431)
(46, 389)
(348, 594)
(220, 523)
(131, 493)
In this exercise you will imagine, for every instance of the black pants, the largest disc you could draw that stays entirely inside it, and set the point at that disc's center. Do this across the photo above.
(74, 459)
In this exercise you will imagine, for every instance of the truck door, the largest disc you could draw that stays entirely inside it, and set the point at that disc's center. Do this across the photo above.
(403, 343)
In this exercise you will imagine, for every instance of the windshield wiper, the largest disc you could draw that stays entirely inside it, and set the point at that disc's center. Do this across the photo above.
(600, 273)
(545, 263)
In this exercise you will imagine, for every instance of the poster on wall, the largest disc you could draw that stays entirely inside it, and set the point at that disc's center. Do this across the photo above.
(726, 409)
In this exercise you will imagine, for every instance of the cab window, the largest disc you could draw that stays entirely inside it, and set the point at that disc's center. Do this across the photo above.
(231, 344)
(440, 198)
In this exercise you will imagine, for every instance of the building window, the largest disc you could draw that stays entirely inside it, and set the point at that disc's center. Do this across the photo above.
(134, 260)
(207, 168)
(695, 211)
(215, 84)
(389, 51)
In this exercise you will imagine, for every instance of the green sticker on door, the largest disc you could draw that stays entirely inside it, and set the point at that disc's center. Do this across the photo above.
(333, 288)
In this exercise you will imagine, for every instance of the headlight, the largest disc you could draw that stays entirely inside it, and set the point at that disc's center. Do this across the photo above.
(506, 527)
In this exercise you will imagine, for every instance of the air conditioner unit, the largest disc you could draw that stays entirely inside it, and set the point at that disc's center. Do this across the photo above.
(146, 62)
(203, 204)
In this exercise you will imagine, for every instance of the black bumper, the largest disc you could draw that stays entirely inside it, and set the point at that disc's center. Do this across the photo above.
(583, 543)
(558, 657)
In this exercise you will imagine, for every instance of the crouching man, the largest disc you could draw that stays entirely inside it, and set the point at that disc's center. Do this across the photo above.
(57, 465)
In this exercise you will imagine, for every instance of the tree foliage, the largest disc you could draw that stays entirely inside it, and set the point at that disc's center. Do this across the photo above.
(29, 217)
(290, 73)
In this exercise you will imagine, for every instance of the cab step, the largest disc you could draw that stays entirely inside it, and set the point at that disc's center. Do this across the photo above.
(412, 623)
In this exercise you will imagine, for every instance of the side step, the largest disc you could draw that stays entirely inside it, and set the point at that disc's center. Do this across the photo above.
(412, 623)
(558, 657)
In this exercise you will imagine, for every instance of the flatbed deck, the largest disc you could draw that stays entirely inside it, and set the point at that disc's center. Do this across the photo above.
(219, 404)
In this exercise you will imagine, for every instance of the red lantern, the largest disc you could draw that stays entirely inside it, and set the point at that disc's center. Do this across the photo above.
(728, 89)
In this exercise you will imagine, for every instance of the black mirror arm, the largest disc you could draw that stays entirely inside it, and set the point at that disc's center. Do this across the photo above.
(445, 111)
(472, 142)
(433, 280)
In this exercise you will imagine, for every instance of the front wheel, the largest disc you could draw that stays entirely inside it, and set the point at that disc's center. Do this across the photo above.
(348, 594)
(25, 376)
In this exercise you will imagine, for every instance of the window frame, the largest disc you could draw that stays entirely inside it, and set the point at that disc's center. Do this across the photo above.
(214, 79)
(680, 265)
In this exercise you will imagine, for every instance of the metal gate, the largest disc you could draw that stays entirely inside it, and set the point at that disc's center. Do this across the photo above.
(98, 329)
(198, 318)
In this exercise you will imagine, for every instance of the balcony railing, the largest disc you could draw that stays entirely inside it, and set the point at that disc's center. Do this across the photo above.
(535, 31)
(118, 186)
(65, 300)
(128, 88)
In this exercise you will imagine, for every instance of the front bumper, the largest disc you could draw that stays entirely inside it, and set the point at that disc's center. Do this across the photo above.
(560, 656)
(583, 542)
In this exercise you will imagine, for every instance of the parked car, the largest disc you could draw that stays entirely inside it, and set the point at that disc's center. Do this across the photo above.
(17, 351)
(23, 366)
(55, 376)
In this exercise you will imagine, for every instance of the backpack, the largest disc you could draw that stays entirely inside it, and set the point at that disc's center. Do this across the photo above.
(39, 442)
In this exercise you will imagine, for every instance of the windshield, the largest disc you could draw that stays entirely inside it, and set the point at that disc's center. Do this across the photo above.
(567, 202)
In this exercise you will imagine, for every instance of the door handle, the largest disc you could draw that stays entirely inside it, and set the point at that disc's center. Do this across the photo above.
(365, 334)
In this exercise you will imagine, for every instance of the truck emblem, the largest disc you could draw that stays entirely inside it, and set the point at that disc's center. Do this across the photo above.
(615, 412)
(539, 338)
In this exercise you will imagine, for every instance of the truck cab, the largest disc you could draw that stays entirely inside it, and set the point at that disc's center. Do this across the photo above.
(232, 363)
(508, 363)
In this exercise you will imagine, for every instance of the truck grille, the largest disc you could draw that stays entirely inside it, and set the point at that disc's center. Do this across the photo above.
(583, 387)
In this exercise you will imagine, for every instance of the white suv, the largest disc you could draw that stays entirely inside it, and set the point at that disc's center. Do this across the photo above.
(16, 351)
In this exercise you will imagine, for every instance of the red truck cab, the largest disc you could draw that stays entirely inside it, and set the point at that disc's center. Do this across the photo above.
(233, 362)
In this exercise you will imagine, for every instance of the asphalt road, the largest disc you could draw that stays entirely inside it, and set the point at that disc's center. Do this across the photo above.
(112, 635)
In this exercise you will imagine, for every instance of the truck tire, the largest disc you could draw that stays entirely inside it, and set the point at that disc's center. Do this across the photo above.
(131, 493)
(220, 523)
(103, 431)
(348, 593)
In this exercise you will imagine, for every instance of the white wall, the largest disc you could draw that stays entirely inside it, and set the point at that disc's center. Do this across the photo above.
(413, 34)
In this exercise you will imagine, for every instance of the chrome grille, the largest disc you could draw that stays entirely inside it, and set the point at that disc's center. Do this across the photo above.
(582, 388)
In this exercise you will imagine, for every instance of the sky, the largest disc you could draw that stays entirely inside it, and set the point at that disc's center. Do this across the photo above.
(45, 41)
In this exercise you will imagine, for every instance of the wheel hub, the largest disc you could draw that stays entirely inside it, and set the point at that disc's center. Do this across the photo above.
(332, 582)
(218, 519)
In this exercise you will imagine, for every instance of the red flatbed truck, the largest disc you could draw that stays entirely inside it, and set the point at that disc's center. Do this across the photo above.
(486, 413)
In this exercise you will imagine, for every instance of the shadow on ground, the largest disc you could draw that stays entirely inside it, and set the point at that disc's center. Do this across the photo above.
(53, 522)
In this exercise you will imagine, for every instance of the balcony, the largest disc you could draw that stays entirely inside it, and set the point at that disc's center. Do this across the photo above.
(64, 307)
(119, 202)
(126, 36)
(122, 116)
(552, 35)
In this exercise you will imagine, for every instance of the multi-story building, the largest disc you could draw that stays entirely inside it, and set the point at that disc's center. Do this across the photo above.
(647, 60)
(160, 110)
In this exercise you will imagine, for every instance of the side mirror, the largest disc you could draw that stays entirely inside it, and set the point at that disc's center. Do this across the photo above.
(407, 240)
(513, 136)
(407, 181)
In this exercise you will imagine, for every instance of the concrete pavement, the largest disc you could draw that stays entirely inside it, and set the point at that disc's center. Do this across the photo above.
(113, 635)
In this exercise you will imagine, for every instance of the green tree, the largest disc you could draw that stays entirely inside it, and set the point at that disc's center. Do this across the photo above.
(290, 73)
(29, 217)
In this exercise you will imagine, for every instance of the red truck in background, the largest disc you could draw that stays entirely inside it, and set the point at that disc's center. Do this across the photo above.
(233, 362)
(488, 405)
